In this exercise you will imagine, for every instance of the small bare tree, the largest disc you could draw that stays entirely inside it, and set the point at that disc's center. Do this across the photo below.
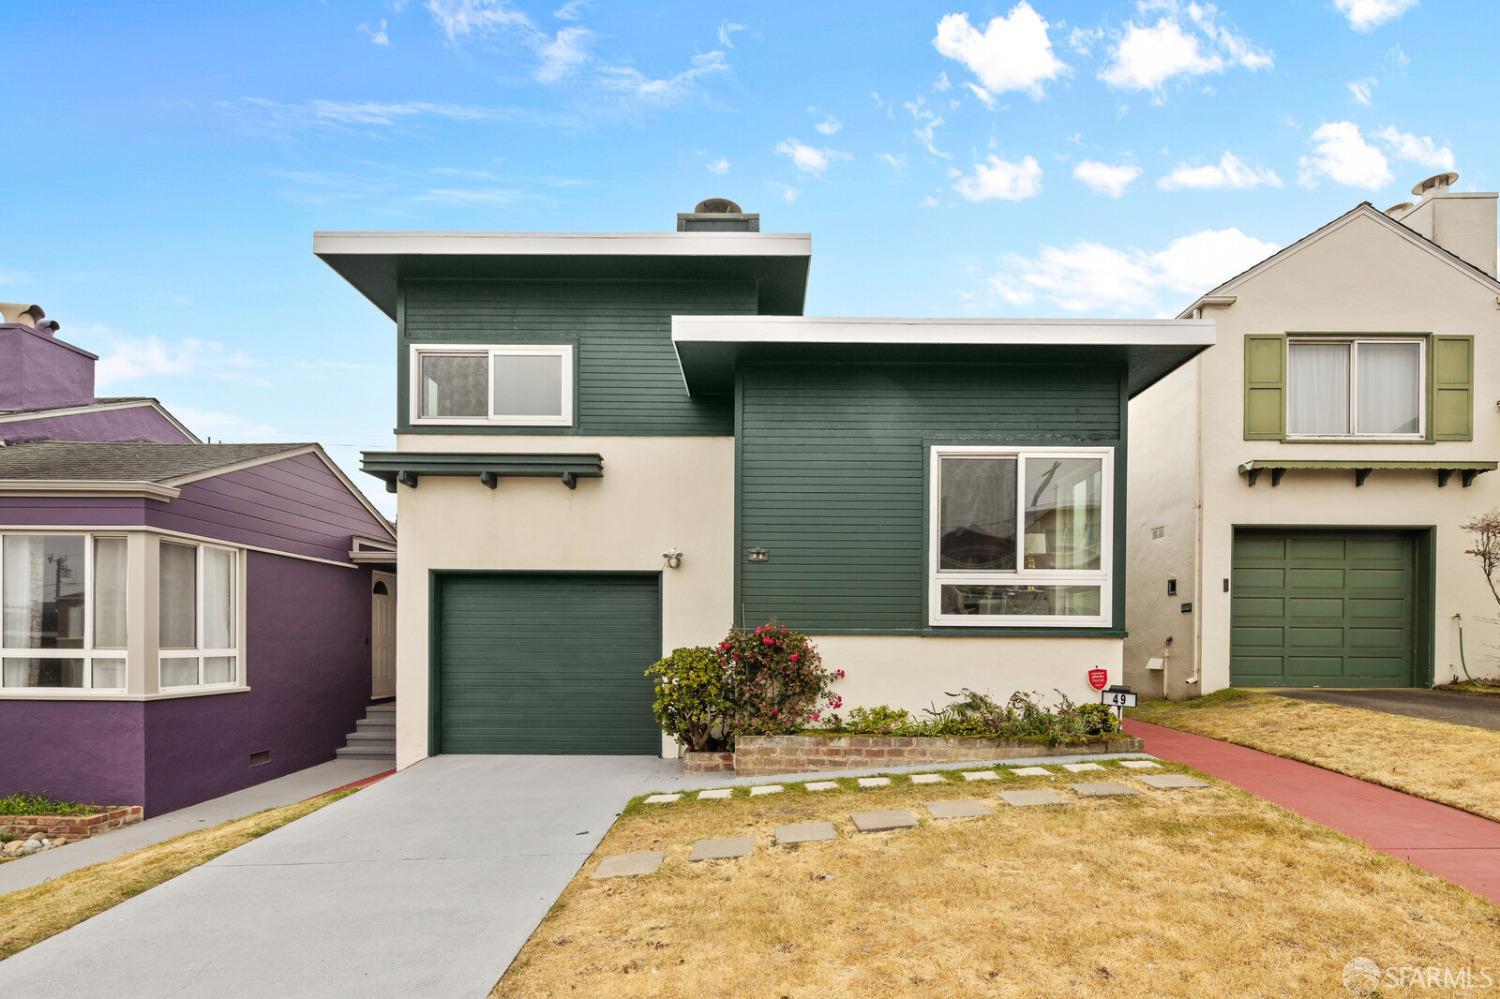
(1486, 549)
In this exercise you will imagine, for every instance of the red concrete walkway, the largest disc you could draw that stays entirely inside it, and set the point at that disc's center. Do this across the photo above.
(1450, 843)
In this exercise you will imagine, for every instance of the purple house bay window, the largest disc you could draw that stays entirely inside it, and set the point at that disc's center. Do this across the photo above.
(63, 621)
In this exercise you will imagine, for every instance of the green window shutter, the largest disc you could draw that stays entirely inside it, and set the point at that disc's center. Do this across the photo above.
(1452, 388)
(1265, 386)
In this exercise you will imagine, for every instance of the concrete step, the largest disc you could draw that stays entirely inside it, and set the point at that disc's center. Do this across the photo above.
(366, 753)
(386, 725)
(364, 738)
(376, 710)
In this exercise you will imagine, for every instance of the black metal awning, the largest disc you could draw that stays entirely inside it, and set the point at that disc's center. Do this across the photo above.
(407, 467)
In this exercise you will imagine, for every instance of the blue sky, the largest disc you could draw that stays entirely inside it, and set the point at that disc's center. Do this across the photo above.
(168, 162)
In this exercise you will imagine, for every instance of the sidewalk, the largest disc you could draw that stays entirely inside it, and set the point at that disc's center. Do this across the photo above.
(48, 864)
(1453, 844)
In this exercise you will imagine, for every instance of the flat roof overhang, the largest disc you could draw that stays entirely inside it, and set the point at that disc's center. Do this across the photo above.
(376, 262)
(710, 348)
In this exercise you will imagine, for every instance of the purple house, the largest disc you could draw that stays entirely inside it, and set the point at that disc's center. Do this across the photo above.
(180, 619)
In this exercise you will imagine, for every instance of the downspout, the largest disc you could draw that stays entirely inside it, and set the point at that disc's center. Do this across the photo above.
(1198, 588)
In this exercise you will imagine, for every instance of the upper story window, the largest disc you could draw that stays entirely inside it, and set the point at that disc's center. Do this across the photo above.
(198, 629)
(1356, 388)
(63, 598)
(515, 385)
(1021, 536)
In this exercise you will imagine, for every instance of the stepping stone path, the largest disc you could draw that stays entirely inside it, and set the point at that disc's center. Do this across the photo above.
(1078, 768)
(662, 799)
(959, 808)
(883, 819)
(805, 832)
(926, 778)
(760, 789)
(1140, 764)
(981, 775)
(874, 782)
(719, 792)
(722, 849)
(1032, 772)
(821, 785)
(1104, 789)
(1027, 799)
(1168, 781)
(629, 865)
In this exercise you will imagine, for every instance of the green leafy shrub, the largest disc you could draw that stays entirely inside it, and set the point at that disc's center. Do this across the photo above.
(777, 680)
(692, 698)
(976, 715)
(26, 803)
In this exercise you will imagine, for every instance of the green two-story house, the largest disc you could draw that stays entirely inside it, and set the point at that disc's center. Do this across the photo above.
(613, 445)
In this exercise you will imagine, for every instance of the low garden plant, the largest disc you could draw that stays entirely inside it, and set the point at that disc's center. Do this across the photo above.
(976, 715)
(26, 803)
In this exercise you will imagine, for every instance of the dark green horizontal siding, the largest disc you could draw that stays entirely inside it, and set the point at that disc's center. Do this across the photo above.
(628, 379)
(833, 475)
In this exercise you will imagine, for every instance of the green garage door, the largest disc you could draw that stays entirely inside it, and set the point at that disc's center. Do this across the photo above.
(546, 663)
(1323, 609)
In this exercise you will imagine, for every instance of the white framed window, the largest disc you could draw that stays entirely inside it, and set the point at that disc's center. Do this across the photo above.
(198, 606)
(1344, 387)
(62, 613)
(518, 385)
(1020, 536)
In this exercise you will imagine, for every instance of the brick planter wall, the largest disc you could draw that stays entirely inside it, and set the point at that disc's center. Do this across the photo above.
(707, 763)
(71, 826)
(765, 755)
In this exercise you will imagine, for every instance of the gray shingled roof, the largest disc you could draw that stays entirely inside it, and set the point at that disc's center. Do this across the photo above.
(124, 462)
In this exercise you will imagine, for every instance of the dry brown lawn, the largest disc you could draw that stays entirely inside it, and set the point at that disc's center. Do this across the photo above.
(1182, 893)
(1456, 764)
(31, 915)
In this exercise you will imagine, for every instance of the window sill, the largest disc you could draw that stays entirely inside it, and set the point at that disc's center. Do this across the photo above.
(114, 695)
(1355, 440)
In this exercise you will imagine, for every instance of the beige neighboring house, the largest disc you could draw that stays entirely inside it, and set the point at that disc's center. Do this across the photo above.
(1296, 492)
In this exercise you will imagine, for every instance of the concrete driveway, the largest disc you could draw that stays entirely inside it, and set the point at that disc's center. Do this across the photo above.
(426, 884)
(1477, 710)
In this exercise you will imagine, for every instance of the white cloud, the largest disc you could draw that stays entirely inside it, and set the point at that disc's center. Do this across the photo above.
(726, 33)
(571, 11)
(1106, 178)
(809, 159)
(787, 191)
(15, 277)
(1001, 180)
(1094, 277)
(895, 161)
(631, 82)
(1342, 155)
(127, 358)
(719, 166)
(1011, 53)
(1362, 89)
(491, 197)
(210, 424)
(829, 125)
(1367, 15)
(1186, 40)
(377, 34)
(1416, 149)
(461, 18)
(562, 54)
(1230, 173)
(928, 122)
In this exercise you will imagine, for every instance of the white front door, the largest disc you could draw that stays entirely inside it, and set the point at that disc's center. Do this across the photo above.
(383, 635)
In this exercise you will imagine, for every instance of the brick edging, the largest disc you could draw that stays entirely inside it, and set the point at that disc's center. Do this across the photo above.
(72, 827)
(766, 755)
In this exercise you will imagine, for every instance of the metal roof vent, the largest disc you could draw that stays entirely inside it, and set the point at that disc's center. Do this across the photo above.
(1396, 211)
(1437, 182)
(717, 215)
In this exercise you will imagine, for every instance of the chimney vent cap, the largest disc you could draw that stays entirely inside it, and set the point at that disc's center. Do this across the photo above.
(1400, 208)
(717, 206)
(1436, 182)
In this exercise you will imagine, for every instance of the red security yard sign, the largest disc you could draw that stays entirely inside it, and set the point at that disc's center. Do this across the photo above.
(1098, 678)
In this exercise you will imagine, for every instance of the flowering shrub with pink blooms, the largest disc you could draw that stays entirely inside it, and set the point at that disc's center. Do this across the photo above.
(777, 681)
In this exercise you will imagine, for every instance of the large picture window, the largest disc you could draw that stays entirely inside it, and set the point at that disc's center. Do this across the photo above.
(1356, 388)
(511, 385)
(198, 607)
(62, 612)
(1020, 537)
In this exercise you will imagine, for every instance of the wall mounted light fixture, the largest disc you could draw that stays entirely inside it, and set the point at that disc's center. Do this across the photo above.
(759, 555)
(672, 558)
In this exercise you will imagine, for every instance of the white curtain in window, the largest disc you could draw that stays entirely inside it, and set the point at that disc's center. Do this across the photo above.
(179, 596)
(218, 599)
(43, 592)
(1319, 386)
(1390, 391)
(109, 594)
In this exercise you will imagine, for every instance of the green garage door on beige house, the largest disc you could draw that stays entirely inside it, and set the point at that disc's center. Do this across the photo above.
(545, 663)
(1324, 609)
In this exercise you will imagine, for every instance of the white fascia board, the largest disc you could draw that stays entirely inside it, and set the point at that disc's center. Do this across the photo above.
(87, 487)
(573, 244)
(963, 332)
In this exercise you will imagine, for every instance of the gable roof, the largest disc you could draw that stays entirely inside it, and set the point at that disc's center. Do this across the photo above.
(100, 404)
(1362, 210)
(111, 461)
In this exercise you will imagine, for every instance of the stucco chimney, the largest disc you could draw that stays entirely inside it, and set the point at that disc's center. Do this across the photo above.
(37, 370)
(1461, 222)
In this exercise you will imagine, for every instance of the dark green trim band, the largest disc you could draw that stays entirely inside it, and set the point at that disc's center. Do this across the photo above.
(407, 467)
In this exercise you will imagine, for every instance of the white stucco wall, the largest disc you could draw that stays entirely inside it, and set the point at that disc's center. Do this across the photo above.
(657, 493)
(1357, 278)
